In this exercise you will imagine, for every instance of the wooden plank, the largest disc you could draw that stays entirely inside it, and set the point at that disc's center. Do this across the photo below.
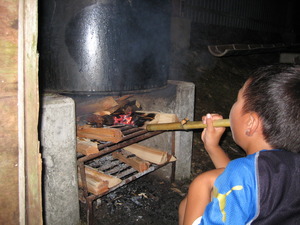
(9, 165)
(102, 134)
(33, 168)
(150, 154)
(135, 162)
(86, 146)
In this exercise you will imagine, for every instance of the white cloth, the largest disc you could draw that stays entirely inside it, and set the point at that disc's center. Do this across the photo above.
(197, 221)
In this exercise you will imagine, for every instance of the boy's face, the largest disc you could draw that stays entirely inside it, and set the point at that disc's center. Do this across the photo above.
(238, 118)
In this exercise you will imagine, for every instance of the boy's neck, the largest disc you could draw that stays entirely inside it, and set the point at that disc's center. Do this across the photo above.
(258, 146)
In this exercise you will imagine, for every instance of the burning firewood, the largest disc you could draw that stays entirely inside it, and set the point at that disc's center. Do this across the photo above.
(123, 106)
(150, 154)
(111, 111)
(92, 120)
(108, 111)
(119, 106)
(97, 105)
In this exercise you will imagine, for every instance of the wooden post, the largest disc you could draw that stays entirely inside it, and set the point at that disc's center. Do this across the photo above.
(33, 168)
(20, 158)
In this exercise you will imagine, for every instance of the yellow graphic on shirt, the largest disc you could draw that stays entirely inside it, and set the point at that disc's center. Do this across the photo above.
(222, 198)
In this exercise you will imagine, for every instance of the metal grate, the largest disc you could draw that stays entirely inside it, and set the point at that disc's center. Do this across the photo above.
(105, 162)
(114, 167)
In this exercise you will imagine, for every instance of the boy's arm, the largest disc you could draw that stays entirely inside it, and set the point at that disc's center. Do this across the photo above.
(199, 195)
(211, 137)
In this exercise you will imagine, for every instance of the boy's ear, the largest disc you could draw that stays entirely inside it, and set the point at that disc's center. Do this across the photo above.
(253, 123)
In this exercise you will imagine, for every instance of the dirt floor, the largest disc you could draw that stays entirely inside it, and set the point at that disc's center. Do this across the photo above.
(149, 200)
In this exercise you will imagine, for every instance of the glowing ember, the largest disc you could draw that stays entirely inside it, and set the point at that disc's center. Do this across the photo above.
(123, 119)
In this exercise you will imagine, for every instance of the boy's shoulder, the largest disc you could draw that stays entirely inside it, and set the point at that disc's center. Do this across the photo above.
(273, 156)
(239, 171)
(280, 163)
(243, 163)
(278, 181)
(261, 164)
(279, 155)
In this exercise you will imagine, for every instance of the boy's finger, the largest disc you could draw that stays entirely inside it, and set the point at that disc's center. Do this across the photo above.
(209, 121)
(204, 119)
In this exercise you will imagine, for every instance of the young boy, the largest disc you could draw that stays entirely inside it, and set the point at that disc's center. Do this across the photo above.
(262, 188)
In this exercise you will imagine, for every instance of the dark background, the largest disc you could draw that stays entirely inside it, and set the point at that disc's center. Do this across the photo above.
(217, 80)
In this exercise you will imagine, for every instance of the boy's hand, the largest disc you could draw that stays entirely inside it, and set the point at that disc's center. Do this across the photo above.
(211, 135)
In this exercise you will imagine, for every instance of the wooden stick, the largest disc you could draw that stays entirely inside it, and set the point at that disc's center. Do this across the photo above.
(135, 162)
(190, 125)
(86, 146)
(95, 105)
(98, 182)
(94, 173)
(152, 155)
(94, 185)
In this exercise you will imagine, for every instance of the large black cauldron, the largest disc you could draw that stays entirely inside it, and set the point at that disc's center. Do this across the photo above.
(104, 46)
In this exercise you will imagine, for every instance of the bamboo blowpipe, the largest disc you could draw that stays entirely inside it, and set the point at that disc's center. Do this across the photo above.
(190, 125)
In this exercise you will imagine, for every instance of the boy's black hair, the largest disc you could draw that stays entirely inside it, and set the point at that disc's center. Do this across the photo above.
(273, 92)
